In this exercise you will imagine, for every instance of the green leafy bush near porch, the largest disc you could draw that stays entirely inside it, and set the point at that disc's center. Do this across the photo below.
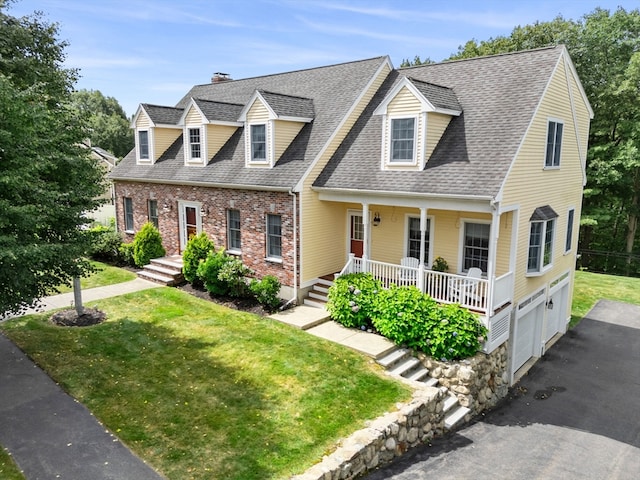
(234, 274)
(147, 244)
(351, 299)
(266, 291)
(209, 270)
(197, 249)
(406, 316)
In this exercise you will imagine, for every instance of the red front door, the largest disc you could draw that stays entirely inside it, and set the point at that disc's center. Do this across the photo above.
(356, 245)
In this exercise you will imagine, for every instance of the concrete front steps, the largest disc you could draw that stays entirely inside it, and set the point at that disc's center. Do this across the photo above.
(401, 361)
(317, 296)
(166, 271)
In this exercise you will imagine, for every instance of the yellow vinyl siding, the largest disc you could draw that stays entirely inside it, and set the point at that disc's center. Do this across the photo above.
(285, 132)
(437, 123)
(404, 103)
(560, 188)
(217, 136)
(323, 223)
(163, 138)
(258, 113)
(193, 118)
(143, 122)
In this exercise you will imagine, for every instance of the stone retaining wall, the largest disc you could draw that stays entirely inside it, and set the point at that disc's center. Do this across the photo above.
(479, 382)
(384, 438)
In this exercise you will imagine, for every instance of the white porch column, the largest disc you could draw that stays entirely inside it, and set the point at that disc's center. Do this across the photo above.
(367, 232)
(423, 237)
(494, 234)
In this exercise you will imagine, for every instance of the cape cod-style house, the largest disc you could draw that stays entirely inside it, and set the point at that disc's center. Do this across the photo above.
(364, 167)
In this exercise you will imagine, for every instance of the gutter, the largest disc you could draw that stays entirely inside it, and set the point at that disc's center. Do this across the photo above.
(202, 184)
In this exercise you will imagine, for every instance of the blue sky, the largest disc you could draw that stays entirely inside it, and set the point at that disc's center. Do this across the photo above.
(153, 51)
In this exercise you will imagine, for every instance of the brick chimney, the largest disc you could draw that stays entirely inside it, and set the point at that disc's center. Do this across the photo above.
(220, 77)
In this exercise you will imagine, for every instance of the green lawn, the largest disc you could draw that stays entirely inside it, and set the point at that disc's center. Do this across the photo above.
(106, 275)
(8, 469)
(591, 287)
(202, 391)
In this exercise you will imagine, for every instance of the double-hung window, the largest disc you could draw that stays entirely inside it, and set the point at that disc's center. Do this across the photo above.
(195, 146)
(569, 238)
(128, 213)
(476, 246)
(152, 208)
(234, 242)
(274, 236)
(143, 144)
(259, 143)
(402, 140)
(541, 235)
(413, 242)
(554, 144)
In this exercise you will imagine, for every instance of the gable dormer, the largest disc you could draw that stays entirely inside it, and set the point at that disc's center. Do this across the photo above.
(156, 128)
(271, 122)
(207, 126)
(415, 115)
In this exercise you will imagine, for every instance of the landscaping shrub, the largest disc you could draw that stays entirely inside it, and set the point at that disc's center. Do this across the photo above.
(403, 315)
(209, 269)
(147, 244)
(126, 254)
(455, 333)
(351, 299)
(196, 251)
(266, 291)
(234, 274)
(105, 244)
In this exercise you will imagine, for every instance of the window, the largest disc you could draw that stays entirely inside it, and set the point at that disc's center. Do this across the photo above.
(554, 144)
(569, 239)
(258, 143)
(128, 214)
(152, 209)
(194, 143)
(143, 144)
(274, 236)
(476, 246)
(541, 234)
(233, 230)
(413, 243)
(402, 139)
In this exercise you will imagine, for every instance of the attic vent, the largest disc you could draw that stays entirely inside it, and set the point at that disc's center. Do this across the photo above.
(220, 77)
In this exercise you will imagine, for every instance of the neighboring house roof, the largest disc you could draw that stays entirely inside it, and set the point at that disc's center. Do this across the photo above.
(498, 96)
(333, 90)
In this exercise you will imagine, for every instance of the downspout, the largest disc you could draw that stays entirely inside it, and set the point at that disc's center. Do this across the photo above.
(491, 274)
(295, 252)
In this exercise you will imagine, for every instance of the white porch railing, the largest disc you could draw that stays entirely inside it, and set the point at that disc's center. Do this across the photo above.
(442, 287)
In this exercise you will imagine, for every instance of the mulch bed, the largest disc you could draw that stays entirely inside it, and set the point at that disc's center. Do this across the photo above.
(250, 305)
(70, 318)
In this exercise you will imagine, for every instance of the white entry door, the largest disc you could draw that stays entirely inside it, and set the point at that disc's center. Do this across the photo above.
(190, 222)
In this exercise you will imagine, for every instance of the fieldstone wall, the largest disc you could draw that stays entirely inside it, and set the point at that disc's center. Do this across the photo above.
(479, 382)
(384, 438)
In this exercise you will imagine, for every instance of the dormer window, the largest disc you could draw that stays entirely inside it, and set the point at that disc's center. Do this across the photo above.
(143, 144)
(195, 147)
(259, 143)
(403, 134)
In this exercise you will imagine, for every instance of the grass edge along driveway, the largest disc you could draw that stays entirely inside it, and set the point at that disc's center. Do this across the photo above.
(202, 391)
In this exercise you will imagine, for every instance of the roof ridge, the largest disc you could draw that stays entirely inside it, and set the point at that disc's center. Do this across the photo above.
(215, 101)
(161, 106)
(284, 94)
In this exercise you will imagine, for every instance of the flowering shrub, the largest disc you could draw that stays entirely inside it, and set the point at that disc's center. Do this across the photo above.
(455, 333)
(403, 315)
(351, 299)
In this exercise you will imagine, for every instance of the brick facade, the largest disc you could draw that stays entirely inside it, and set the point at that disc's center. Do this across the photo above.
(253, 205)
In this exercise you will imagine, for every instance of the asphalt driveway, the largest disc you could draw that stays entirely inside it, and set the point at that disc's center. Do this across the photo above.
(576, 415)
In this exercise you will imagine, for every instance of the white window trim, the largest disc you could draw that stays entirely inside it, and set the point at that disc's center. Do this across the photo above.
(234, 251)
(387, 162)
(188, 160)
(542, 269)
(431, 221)
(151, 158)
(124, 215)
(461, 244)
(573, 230)
(269, 145)
(268, 257)
(546, 136)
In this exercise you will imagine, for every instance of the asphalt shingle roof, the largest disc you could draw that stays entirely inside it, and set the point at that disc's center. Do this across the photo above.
(163, 115)
(498, 96)
(333, 90)
(219, 111)
(440, 97)
(288, 106)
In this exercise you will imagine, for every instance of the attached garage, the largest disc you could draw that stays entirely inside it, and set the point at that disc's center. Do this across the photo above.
(527, 330)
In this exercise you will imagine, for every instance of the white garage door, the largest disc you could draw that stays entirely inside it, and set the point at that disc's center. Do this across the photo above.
(557, 316)
(526, 343)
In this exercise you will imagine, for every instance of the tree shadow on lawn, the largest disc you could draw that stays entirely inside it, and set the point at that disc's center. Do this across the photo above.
(211, 419)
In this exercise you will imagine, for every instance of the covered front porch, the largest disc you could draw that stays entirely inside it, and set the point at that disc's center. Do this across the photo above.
(478, 294)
